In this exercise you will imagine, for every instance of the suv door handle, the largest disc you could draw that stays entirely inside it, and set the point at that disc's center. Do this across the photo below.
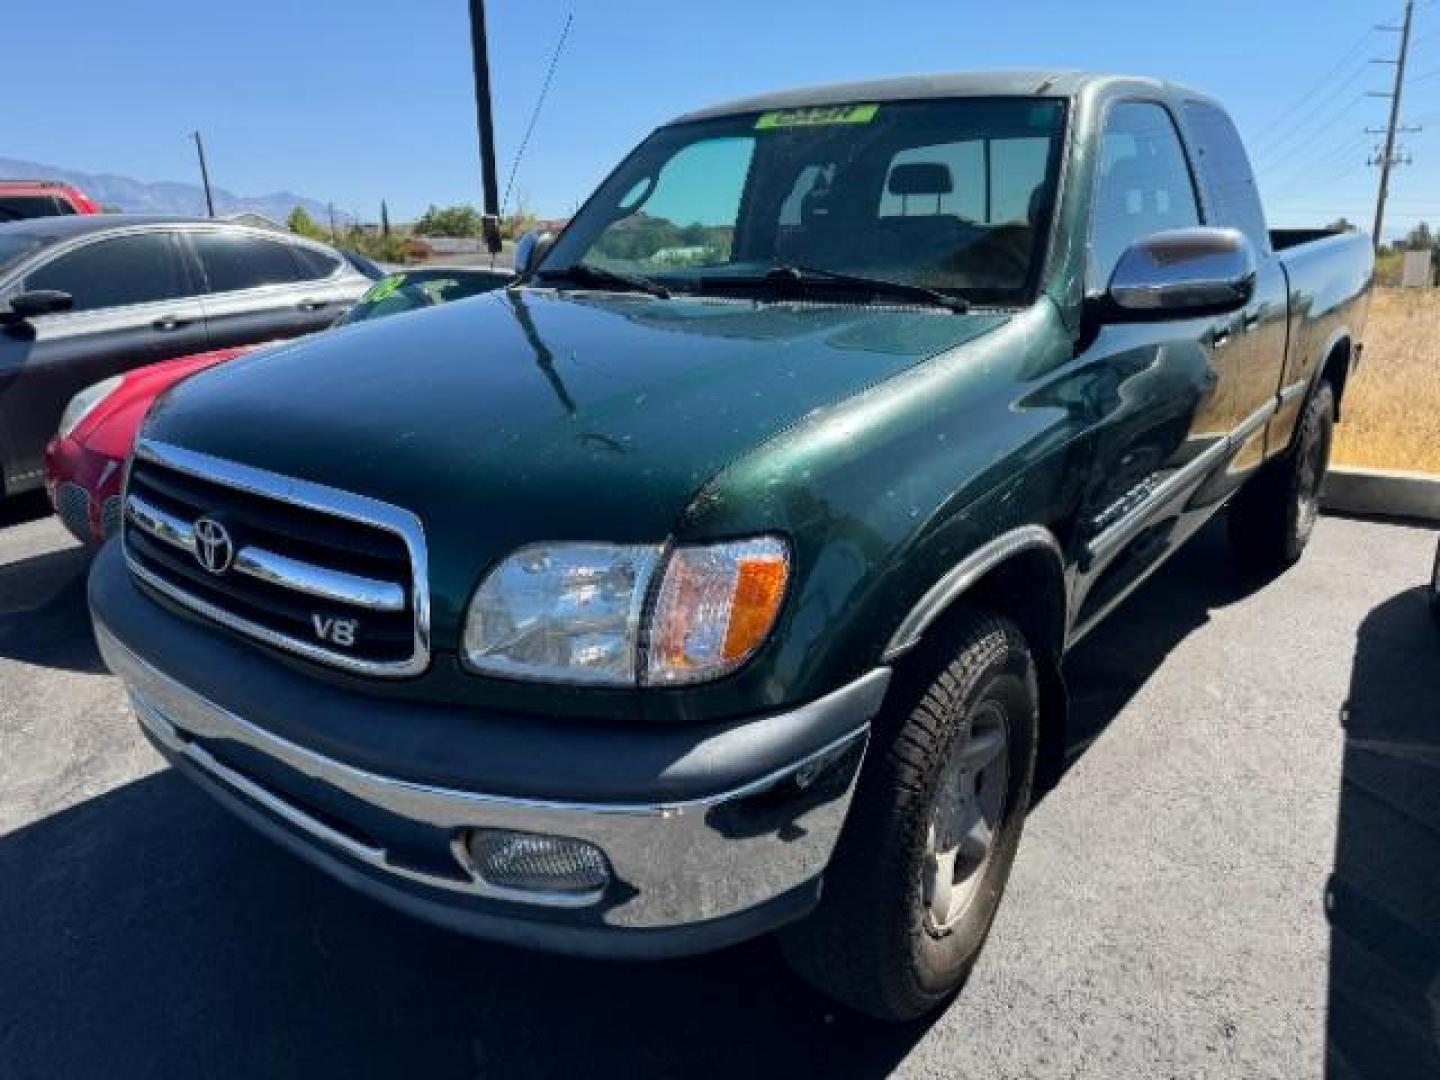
(169, 322)
(1220, 337)
(311, 304)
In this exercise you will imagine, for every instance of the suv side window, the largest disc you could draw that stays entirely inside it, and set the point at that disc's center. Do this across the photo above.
(1144, 185)
(314, 263)
(1230, 194)
(139, 269)
(235, 262)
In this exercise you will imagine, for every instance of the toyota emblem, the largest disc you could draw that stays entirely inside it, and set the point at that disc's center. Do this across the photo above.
(214, 549)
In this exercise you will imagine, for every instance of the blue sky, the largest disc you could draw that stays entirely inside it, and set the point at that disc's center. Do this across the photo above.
(355, 100)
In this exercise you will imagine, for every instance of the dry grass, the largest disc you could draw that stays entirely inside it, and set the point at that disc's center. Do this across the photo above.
(1392, 405)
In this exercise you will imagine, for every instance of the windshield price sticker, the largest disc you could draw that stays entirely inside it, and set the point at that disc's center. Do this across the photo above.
(383, 288)
(816, 116)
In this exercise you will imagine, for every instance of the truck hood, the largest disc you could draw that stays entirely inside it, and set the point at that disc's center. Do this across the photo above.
(529, 416)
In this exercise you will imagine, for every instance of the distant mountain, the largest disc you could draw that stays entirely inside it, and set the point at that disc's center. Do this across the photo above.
(162, 197)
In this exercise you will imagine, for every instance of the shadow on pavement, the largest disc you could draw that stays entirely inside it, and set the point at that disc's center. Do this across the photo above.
(44, 615)
(1384, 896)
(18, 509)
(146, 933)
(1110, 666)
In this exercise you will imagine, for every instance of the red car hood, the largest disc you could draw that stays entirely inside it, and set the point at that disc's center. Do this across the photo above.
(111, 426)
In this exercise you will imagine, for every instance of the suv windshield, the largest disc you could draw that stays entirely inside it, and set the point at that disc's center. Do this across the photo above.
(951, 194)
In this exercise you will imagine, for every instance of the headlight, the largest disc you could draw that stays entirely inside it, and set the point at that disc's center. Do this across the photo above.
(575, 612)
(567, 613)
(83, 403)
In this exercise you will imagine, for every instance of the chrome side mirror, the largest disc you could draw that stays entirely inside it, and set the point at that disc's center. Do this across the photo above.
(1183, 274)
(529, 250)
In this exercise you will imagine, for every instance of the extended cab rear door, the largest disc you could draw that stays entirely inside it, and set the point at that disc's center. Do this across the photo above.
(1253, 341)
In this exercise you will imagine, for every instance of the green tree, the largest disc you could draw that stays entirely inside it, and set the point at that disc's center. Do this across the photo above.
(302, 224)
(449, 221)
(1341, 224)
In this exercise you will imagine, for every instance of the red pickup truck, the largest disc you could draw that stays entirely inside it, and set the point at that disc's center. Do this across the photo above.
(42, 198)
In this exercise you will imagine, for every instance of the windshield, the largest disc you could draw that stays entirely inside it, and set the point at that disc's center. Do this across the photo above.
(408, 291)
(950, 194)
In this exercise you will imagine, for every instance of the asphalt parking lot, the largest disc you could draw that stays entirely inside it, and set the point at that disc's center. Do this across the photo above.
(1238, 875)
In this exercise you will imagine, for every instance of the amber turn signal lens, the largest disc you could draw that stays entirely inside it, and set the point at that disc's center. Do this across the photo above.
(716, 606)
(759, 588)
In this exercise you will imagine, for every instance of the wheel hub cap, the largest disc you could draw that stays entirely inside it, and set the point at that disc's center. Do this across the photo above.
(969, 808)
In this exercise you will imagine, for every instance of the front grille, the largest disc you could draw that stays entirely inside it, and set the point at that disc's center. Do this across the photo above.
(72, 503)
(110, 516)
(335, 577)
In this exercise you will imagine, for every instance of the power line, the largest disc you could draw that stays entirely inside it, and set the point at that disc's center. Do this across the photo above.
(1319, 85)
(1319, 108)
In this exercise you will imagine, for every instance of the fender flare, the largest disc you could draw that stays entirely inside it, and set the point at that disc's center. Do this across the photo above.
(964, 575)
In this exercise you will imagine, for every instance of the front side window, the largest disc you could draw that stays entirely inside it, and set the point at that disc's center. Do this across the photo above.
(1143, 187)
(117, 272)
(234, 262)
(951, 194)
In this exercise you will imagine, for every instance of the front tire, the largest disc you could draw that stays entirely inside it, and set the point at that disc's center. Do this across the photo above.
(1273, 516)
(919, 871)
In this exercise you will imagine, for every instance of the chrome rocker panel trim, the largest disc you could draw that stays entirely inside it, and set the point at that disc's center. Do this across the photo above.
(680, 868)
(321, 499)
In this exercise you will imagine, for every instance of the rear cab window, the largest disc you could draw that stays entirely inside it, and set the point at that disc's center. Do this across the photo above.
(1231, 197)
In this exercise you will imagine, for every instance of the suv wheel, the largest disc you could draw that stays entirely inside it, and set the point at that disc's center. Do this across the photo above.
(1273, 516)
(919, 871)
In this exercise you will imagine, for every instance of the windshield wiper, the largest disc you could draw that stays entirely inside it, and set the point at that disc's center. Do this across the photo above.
(789, 277)
(586, 274)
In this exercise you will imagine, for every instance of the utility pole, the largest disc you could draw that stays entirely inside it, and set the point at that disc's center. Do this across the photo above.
(1388, 158)
(490, 220)
(330, 209)
(384, 219)
(204, 173)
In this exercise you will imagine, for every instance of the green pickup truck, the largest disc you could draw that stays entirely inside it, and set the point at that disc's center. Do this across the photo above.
(715, 578)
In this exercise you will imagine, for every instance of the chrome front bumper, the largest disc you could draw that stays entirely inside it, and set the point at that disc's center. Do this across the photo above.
(674, 864)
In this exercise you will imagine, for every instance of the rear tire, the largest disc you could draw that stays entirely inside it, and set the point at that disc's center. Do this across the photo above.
(919, 871)
(1273, 516)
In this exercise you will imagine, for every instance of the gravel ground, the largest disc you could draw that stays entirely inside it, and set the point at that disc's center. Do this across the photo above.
(1237, 876)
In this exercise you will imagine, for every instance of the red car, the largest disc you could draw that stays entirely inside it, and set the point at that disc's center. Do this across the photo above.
(21, 199)
(85, 461)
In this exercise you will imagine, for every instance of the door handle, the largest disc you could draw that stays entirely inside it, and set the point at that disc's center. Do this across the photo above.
(169, 322)
(311, 305)
(1220, 337)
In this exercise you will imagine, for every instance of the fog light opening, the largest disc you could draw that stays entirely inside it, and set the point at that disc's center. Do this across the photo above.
(534, 865)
